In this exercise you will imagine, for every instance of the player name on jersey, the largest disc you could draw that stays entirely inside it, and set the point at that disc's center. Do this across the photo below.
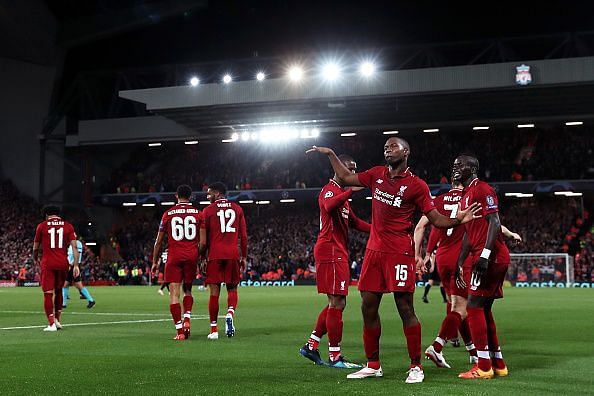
(182, 211)
(55, 223)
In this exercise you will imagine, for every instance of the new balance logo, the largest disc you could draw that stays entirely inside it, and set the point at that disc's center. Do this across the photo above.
(400, 284)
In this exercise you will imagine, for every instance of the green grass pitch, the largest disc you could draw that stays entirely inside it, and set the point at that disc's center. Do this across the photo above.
(546, 334)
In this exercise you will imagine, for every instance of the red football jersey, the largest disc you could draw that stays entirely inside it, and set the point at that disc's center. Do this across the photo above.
(447, 204)
(225, 224)
(394, 203)
(182, 224)
(336, 215)
(54, 235)
(483, 193)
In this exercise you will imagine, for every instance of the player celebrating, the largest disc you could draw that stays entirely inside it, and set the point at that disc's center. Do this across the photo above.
(76, 280)
(389, 263)
(181, 224)
(489, 258)
(224, 224)
(331, 255)
(54, 235)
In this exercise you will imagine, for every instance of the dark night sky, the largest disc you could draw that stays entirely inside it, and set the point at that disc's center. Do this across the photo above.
(235, 29)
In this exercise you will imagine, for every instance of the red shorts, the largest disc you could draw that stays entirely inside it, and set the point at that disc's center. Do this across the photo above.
(333, 278)
(180, 271)
(52, 279)
(446, 266)
(387, 272)
(492, 284)
(223, 271)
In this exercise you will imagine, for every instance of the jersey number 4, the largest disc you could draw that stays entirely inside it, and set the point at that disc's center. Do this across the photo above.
(183, 228)
(60, 233)
(227, 219)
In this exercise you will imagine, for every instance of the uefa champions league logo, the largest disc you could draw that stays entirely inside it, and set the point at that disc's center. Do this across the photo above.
(523, 76)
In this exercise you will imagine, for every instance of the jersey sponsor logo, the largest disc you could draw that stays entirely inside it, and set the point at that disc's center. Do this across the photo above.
(386, 198)
(491, 202)
(328, 194)
(402, 189)
(379, 181)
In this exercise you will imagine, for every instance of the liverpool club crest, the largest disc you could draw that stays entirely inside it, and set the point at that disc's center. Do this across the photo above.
(523, 76)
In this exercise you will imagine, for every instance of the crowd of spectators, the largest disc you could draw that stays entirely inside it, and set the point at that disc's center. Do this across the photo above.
(505, 156)
(280, 240)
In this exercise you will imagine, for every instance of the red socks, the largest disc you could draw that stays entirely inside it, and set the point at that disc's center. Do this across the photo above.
(213, 312)
(188, 303)
(494, 347)
(371, 338)
(231, 301)
(413, 343)
(176, 314)
(465, 333)
(58, 301)
(48, 306)
(319, 331)
(478, 331)
(334, 325)
(449, 329)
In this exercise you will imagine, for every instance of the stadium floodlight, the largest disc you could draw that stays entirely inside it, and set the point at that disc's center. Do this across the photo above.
(390, 133)
(234, 138)
(367, 69)
(368, 197)
(129, 204)
(519, 195)
(90, 223)
(288, 200)
(563, 192)
(148, 205)
(190, 142)
(91, 243)
(350, 199)
(315, 132)
(574, 194)
(227, 78)
(573, 123)
(204, 202)
(262, 202)
(480, 128)
(245, 136)
(431, 130)
(194, 81)
(295, 73)
(348, 134)
(167, 203)
(154, 144)
(254, 135)
(246, 201)
(525, 125)
(331, 71)
(260, 76)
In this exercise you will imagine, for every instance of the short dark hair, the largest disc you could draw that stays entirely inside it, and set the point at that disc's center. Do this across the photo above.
(184, 191)
(218, 186)
(50, 210)
(345, 158)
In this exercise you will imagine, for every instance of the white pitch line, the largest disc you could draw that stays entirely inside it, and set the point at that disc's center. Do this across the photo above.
(102, 323)
(90, 313)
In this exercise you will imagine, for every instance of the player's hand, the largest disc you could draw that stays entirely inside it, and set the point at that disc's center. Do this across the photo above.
(322, 150)
(357, 188)
(516, 237)
(471, 213)
(202, 266)
(480, 268)
(242, 265)
(155, 269)
(460, 278)
(420, 265)
(75, 271)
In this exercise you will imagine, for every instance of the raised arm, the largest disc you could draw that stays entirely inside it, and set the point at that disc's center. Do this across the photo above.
(346, 177)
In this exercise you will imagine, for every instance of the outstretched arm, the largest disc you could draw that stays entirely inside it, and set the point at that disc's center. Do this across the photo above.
(359, 224)
(510, 234)
(345, 176)
(463, 216)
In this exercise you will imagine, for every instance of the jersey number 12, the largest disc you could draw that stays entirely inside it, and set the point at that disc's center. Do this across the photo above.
(226, 218)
